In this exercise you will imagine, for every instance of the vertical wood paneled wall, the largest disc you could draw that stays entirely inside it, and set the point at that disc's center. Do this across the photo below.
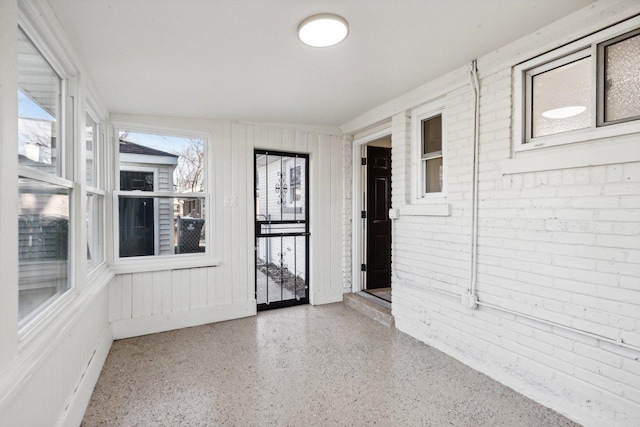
(154, 301)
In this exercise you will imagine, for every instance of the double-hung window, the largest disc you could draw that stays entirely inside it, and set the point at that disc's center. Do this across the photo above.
(587, 90)
(161, 205)
(428, 134)
(45, 183)
(95, 200)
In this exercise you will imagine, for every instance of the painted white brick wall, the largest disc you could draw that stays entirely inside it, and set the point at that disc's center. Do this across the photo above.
(558, 265)
(347, 212)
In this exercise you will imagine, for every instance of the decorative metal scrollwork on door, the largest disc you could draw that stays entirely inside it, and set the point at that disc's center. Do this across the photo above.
(283, 266)
(281, 188)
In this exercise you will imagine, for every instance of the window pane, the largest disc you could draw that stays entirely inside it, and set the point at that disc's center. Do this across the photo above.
(161, 226)
(622, 79)
(562, 99)
(38, 109)
(281, 187)
(43, 230)
(91, 144)
(178, 162)
(432, 135)
(95, 239)
(433, 174)
(137, 181)
(154, 225)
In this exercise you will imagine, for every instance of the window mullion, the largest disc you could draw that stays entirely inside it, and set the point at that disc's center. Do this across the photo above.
(597, 95)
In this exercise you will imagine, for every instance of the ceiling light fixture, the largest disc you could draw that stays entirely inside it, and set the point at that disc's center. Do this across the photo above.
(564, 112)
(323, 30)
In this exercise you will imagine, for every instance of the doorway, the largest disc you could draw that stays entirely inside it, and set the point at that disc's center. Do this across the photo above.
(377, 222)
(281, 229)
(371, 231)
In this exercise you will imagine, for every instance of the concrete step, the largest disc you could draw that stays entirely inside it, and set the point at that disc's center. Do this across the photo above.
(375, 308)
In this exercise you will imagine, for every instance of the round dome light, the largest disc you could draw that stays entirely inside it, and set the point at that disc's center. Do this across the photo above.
(323, 30)
(564, 112)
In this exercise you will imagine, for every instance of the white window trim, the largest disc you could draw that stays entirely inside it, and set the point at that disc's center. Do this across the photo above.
(156, 213)
(155, 195)
(357, 203)
(97, 190)
(98, 152)
(426, 111)
(591, 133)
(38, 322)
(171, 261)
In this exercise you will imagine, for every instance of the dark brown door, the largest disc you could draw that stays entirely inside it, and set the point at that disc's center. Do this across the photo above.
(378, 265)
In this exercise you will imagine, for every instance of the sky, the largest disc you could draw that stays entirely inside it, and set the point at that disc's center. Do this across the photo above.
(28, 109)
(169, 144)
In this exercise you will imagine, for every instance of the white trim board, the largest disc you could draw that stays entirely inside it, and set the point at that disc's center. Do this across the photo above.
(357, 204)
(137, 326)
(77, 406)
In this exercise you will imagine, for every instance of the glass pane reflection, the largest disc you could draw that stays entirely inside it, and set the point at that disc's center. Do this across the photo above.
(43, 221)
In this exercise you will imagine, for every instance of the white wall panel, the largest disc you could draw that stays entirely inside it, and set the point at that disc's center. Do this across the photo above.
(52, 385)
(159, 300)
(8, 183)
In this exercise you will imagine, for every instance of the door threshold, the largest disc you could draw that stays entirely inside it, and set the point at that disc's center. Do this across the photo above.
(371, 307)
(375, 299)
(383, 293)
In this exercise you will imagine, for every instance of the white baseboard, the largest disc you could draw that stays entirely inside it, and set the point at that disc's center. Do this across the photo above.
(72, 416)
(326, 296)
(127, 328)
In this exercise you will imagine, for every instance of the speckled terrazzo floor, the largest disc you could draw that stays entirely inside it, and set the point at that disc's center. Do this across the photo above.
(299, 366)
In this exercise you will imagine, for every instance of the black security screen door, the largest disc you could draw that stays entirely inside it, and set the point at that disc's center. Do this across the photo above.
(282, 229)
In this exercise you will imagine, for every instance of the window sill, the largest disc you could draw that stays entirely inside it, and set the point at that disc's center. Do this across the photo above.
(139, 265)
(581, 136)
(623, 149)
(424, 209)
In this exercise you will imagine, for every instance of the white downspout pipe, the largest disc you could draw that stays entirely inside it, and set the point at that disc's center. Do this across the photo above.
(470, 299)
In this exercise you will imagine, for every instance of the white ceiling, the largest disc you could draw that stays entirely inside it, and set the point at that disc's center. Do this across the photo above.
(241, 59)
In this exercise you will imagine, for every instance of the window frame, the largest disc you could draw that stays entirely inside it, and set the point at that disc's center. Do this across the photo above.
(97, 190)
(591, 46)
(600, 52)
(418, 116)
(64, 175)
(157, 261)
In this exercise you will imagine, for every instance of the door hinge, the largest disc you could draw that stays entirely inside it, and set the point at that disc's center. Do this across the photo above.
(363, 267)
(363, 214)
(363, 161)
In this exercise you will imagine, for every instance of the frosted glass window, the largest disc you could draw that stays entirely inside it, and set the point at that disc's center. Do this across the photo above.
(622, 79)
(561, 99)
(586, 90)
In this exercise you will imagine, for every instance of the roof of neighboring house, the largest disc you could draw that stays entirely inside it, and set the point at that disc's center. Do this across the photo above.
(25, 161)
(132, 148)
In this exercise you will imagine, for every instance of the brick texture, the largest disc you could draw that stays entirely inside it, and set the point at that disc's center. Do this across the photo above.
(558, 250)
